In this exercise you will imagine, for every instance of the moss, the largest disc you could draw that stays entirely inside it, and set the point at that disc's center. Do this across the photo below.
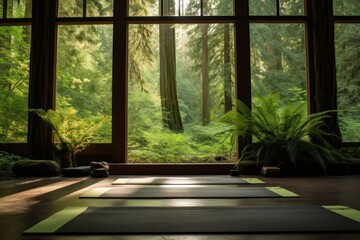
(36, 168)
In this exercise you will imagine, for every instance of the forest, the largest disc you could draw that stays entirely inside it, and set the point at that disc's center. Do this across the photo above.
(181, 77)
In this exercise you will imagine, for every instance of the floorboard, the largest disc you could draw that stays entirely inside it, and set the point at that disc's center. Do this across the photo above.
(24, 202)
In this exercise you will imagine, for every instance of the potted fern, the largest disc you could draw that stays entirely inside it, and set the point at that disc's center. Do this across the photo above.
(72, 135)
(281, 135)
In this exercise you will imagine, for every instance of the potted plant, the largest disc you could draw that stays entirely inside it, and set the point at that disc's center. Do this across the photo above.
(281, 135)
(72, 135)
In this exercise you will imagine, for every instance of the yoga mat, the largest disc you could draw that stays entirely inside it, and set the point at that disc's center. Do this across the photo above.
(186, 180)
(187, 220)
(166, 191)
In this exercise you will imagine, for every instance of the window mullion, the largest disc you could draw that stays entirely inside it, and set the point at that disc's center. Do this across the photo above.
(5, 5)
(242, 56)
(201, 7)
(84, 8)
(119, 83)
(277, 7)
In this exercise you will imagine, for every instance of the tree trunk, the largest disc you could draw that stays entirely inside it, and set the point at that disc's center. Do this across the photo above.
(227, 69)
(274, 62)
(171, 117)
(205, 76)
(26, 29)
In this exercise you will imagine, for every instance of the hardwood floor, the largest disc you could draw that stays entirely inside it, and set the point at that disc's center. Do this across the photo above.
(25, 202)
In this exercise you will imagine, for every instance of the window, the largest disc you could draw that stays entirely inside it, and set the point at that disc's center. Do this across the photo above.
(84, 62)
(84, 73)
(181, 80)
(278, 60)
(347, 42)
(14, 70)
(165, 71)
(347, 53)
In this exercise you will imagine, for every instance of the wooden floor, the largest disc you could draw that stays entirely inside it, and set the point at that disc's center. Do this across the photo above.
(25, 202)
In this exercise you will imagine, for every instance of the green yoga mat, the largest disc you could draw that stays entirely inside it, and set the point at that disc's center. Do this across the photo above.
(187, 220)
(164, 192)
(196, 180)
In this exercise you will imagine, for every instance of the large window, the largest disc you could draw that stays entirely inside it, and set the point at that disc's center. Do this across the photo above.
(181, 80)
(163, 72)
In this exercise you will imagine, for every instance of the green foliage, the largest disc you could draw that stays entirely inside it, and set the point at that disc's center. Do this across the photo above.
(352, 152)
(72, 134)
(14, 82)
(348, 79)
(281, 134)
(197, 144)
(7, 160)
(84, 73)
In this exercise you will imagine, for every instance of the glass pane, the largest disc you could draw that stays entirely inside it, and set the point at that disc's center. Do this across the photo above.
(292, 7)
(84, 73)
(262, 7)
(1, 9)
(218, 7)
(144, 8)
(278, 61)
(14, 82)
(181, 80)
(347, 42)
(180, 7)
(96, 8)
(19, 9)
(70, 8)
(346, 7)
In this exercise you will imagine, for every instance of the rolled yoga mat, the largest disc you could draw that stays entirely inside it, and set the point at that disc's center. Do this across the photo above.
(205, 220)
(178, 191)
(197, 180)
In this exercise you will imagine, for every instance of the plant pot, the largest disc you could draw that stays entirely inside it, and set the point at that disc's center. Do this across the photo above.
(63, 158)
(234, 172)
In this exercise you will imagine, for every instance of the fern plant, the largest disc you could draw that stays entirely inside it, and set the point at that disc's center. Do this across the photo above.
(72, 135)
(281, 134)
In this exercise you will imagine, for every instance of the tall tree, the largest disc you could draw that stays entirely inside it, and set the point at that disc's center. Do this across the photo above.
(227, 69)
(171, 117)
(205, 75)
(219, 57)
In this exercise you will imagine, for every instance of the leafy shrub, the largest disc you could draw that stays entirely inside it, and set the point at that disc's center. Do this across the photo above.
(281, 135)
(72, 134)
(7, 160)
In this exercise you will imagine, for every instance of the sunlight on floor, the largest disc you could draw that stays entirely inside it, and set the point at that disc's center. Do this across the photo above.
(28, 198)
